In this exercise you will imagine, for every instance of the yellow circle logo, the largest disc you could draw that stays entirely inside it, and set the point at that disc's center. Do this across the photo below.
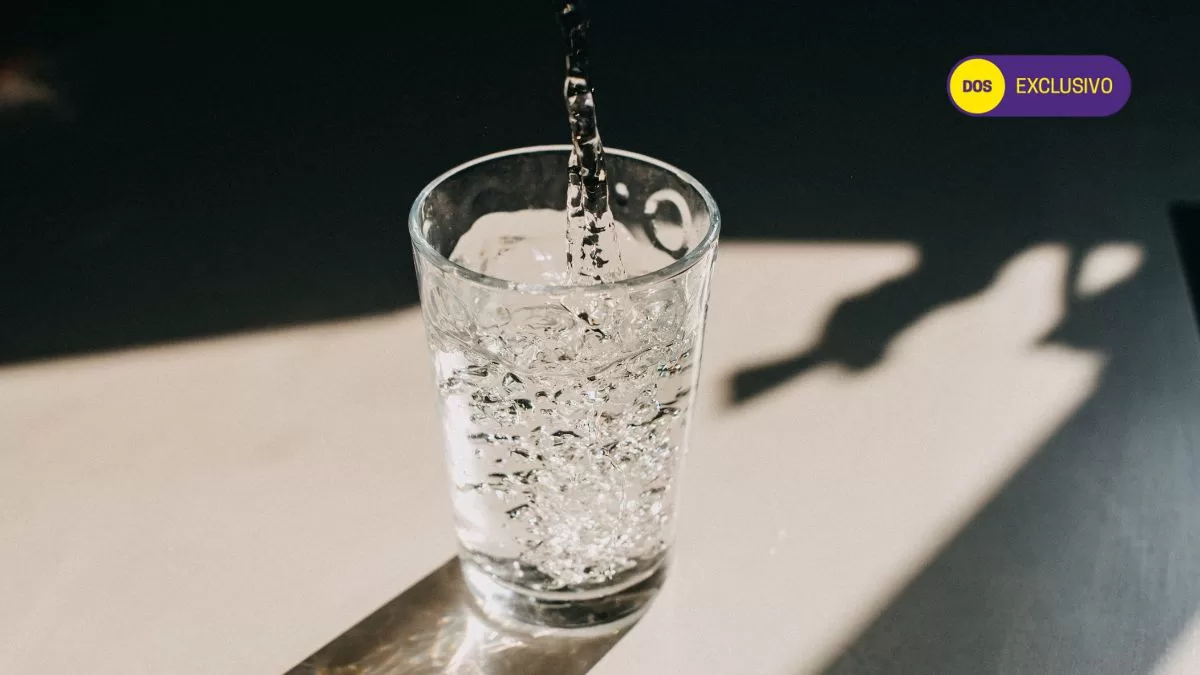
(976, 86)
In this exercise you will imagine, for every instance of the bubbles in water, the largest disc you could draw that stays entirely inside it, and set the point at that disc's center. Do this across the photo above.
(564, 418)
(533, 249)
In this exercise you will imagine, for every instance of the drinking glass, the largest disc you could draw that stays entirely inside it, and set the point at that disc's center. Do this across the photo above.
(565, 408)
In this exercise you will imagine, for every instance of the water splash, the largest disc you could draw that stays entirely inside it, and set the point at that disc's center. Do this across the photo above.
(593, 254)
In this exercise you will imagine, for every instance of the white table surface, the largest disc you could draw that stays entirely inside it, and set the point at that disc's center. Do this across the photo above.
(228, 506)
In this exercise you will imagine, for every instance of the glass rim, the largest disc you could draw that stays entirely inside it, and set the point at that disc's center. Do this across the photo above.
(686, 262)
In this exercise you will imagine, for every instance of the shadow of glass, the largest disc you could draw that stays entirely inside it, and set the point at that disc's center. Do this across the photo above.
(435, 627)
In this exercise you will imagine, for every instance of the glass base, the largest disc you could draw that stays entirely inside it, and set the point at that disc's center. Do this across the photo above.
(514, 607)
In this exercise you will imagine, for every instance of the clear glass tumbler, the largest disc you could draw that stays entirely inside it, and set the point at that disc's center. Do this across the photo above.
(565, 408)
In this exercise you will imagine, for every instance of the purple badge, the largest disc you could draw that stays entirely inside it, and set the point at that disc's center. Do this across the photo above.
(1038, 86)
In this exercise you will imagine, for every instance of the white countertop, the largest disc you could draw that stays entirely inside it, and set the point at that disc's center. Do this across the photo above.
(228, 506)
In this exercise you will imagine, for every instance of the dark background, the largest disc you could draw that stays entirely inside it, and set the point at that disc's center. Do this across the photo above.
(201, 174)
(227, 168)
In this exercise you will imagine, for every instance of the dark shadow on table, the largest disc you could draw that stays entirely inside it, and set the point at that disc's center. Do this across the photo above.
(1084, 562)
(434, 628)
(861, 328)
(1185, 216)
